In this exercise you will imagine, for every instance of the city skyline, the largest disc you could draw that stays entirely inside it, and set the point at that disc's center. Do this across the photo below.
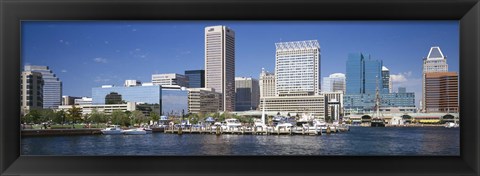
(100, 50)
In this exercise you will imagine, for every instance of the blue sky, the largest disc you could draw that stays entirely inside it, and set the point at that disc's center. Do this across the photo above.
(86, 54)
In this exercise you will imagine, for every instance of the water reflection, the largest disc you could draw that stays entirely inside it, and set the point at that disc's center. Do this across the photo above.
(357, 142)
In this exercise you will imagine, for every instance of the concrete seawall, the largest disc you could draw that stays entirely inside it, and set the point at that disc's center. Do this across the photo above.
(61, 132)
(69, 132)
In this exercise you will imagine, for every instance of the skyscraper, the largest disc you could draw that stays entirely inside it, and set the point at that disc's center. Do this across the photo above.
(267, 84)
(435, 62)
(196, 78)
(52, 88)
(334, 83)
(363, 75)
(247, 94)
(297, 68)
(220, 63)
(297, 80)
(386, 84)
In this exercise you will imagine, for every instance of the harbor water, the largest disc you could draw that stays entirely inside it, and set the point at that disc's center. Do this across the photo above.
(359, 141)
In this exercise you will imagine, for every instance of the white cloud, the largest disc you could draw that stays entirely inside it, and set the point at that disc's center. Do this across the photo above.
(100, 60)
(408, 74)
(139, 53)
(64, 42)
(64, 71)
(399, 78)
(107, 42)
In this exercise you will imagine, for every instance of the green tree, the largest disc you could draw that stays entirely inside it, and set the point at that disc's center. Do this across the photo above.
(154, 116)
(138, 117)
(59, 117)
(34, 116)
(97, 117)
(87, 118)
(74, 114)
(47, 115)
(120, 118)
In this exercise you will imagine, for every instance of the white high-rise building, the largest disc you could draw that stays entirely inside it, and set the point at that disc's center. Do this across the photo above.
(433, 63)
(31, 91)
(220, 64)
(267, 84)
(297, 68)
(297, 80)
(334, 83)
(52, 87)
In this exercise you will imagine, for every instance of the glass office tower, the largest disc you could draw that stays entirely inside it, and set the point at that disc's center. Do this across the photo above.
(196, 78)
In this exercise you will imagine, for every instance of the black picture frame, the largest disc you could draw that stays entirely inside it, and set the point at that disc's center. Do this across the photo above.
(13, 11)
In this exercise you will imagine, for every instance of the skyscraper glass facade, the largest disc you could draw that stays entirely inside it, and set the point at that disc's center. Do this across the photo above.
(385, 80)
(247, 94)
(372, 76)
(196, 78)
(174, 102)
(363, 78)
(145, 94)
(354, 73)
(52, 87)
(366, 102)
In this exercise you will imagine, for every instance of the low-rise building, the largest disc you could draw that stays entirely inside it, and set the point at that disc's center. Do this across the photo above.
(314, 105)
(203, 100)
(105, 108)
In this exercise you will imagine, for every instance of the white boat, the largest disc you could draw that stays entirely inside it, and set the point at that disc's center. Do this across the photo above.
(232, 123)
(147, 129)
(283, 126)
(113, 129)
(451, 125)
(135, 131)
(322, 125)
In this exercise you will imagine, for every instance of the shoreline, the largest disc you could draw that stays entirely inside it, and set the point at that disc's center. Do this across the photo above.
(97, 131)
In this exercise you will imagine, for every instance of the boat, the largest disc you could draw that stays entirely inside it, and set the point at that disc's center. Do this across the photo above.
(377, 122)
(112, 130)
(135, 131)
(147, 129)
(451, 125)
(322, 125)
(232, 123)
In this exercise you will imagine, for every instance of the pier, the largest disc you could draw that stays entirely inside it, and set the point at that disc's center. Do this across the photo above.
(250, 131)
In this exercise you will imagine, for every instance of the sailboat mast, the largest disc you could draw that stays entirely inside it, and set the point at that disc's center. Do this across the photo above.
(377, 100)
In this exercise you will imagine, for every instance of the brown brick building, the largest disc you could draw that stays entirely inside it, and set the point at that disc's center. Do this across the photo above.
(441, 92)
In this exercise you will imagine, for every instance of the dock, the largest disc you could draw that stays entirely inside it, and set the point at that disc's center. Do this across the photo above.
(248, 131)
